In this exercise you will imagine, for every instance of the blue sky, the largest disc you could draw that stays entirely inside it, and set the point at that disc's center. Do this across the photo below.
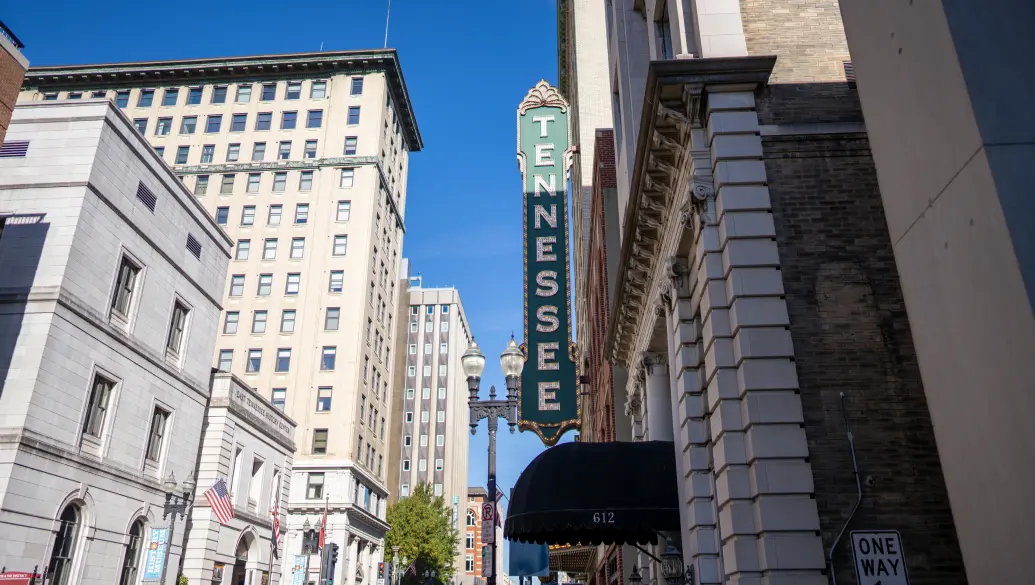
(467, 64)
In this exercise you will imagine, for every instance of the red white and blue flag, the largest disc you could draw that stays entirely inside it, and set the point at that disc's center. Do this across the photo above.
(219, 500)
(275, 539)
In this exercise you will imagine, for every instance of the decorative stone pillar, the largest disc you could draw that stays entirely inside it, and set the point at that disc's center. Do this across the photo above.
(658, 395)
(634, 403)
(370, 572)
(769, 524)
(350, 569)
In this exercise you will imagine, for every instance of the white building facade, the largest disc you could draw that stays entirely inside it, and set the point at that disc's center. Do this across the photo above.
(303, 159)
(111, 287)
(249, 443)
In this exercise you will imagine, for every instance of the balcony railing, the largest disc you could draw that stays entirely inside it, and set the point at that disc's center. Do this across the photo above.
(6, 32)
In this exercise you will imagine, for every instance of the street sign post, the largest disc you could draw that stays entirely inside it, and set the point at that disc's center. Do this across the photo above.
(488, 523)
(878, 557)
(486, 561)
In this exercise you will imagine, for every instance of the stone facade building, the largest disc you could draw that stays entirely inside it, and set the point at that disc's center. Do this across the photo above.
(250, 444)
(112, 283)
(756, 316)
(302, 159)
(12, 68)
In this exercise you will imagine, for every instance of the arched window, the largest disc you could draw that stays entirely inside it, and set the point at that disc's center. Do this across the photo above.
(132, 554)
(470, 518)
(64, 545)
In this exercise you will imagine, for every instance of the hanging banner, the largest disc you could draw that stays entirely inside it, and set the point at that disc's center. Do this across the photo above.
(298, 569)
(549, 402)
(155, 554)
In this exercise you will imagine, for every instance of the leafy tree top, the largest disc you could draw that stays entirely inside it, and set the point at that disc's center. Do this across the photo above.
(421, 525)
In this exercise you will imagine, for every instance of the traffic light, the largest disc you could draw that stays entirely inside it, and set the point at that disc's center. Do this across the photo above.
(328, 562)
(380, 570)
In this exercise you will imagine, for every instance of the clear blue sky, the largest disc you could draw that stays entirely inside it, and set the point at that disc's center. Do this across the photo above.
(467, 64)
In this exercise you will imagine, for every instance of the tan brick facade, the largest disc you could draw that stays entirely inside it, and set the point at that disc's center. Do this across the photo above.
(12, 70)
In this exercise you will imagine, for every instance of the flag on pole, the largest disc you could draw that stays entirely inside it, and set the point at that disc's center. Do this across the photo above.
(275, 539)
(499, 494)
(219, 500)
(413, 568)
(323, 523)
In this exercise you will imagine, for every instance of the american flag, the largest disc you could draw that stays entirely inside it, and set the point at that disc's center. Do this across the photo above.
(275, 540)
(219, 500)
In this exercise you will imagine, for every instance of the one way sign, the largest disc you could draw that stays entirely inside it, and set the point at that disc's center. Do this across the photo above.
(878, 558)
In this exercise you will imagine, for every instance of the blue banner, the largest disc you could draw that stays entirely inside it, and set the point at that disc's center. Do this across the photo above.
(298, 570)
(155, 554)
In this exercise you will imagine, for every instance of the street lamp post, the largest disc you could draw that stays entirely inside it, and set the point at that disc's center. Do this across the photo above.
(176, 503)
(511, 362)
(395, 565)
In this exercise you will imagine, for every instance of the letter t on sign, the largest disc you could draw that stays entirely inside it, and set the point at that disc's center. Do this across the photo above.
(542, 121)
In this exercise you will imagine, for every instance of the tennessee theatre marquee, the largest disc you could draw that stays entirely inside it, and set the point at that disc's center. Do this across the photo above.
(548, 400)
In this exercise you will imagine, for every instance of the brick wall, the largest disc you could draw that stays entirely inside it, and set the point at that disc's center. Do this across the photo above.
(851, 334)
(598, 304)
(11, 73)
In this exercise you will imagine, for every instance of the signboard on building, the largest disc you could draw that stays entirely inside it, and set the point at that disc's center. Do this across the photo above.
(298, 570)
(488, 523)
(10, 578)
(456, 510)
(155, 559)
(878, 557)
(549, 402)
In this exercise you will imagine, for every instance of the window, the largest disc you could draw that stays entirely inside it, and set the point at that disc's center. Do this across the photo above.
(469, 561)
(362, 407)
(233, 152)
(319, 441)
(426, 393)
(427, 348)
(350, 145)
(193, 96)
(238, 122)
(287, 321)
(226, 360)
(284, 150)
(348, 178)
(318, 90)
(279, 182)
(253, 182)
(213, 123)
(297, 248)
(49, 97)
(442, 370)
(237, 285)
(169, 98)
(243, 248)
(244, 93)
(409, 393)
(427, 370)
(440, 416)
(422, 465)
(411, 371)
(177, 326)
(413, 327)
(141, 125)
(188, 124)
(314, 119)
(442, 393)
(344, 210)
(440, 440)
(329, 357)
(407, 441)
(259, 322)
(423, 440)
(406, 464)
(429, 327)
(330, 320)
(288, 120)
(227, 185)
(470, 518)
(444, 326)
(279, 398)
(208, 152)
(146, 98)
(125, 287)
(353, 118)
(265, 285)
(230, 322)
(337, 280)
(157, 434)
(310, 149)
(263, 120)
(357, 86)
(443, 348)
(314, 486)
(248, 215)
(96, 409)
(404, 490)
(425, 416)
(305, 181)
(294, 280)
(409, 417)
(283, 363)
(323, 398)
(294, 90)
(269, 249)
(131, 556)
(340, 245)
(65, 541)
(383, 418)
(122, 98)
(163, 127)
(274, 215)
(218, 94)
(160, 151)
(413, 349)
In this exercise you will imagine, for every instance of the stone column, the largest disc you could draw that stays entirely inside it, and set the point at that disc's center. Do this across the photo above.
(370, 577)
(769, 524)
(634, 402)
(350, 575)
(656, 388)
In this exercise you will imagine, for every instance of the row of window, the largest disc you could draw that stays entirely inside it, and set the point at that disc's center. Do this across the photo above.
(66, 545)
(269, 248)
(275, 214)
(217, 94)
(253, 184)
(411, 371)
(404, 490)
(442, 348)
(213, 123)
(98, 414)
(424, 418)
(426, 394)
(415, 310)
(123, 304)
(429, 327)
(422, 465)
(440, 440)
(292, 285)
(233, 151)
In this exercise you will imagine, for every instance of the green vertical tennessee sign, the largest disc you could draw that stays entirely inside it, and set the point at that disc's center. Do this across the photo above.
(549, 402)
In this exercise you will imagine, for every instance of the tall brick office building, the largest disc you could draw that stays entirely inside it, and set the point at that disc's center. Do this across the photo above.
(751, 311)
(12, 69)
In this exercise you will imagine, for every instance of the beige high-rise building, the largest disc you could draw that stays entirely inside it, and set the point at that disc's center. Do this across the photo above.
(302, 159)
(434, 415)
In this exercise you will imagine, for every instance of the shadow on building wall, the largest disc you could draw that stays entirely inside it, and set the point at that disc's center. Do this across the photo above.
(22, 237)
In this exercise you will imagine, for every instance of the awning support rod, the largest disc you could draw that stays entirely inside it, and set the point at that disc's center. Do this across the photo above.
(656, 559)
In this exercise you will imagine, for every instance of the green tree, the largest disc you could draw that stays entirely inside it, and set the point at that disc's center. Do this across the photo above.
(421, 525)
